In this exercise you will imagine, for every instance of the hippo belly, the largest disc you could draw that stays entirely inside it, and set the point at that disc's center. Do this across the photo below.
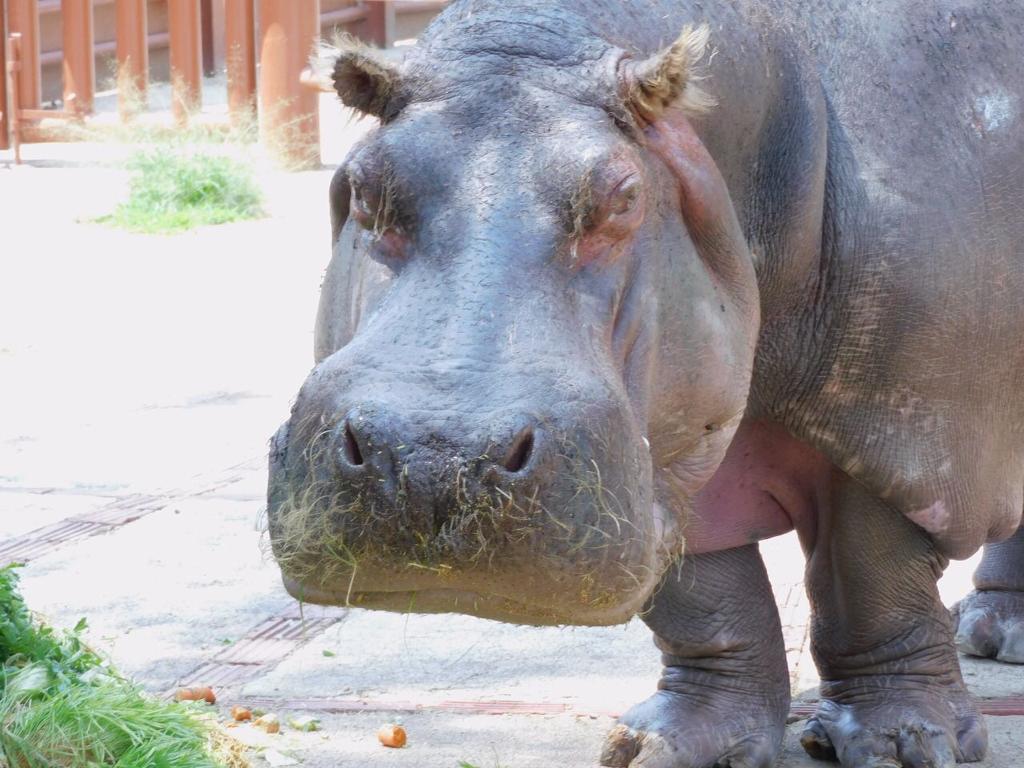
(768, 484)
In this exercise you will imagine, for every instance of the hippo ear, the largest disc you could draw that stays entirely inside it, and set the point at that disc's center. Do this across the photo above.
(365, 80)
(669, 77)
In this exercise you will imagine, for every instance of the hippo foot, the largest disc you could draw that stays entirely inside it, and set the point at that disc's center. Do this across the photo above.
(990, 623)
(705, 729)
(867, 726)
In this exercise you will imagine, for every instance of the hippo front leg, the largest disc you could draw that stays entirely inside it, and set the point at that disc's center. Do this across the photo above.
(990, 621)
(724, 693)
(892, 692)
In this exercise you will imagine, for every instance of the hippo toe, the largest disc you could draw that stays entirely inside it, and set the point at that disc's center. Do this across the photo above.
(990, 624)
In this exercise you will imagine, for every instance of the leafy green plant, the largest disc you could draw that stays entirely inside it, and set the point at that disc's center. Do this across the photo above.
(176, 188)
(61, 706)
(22, 643)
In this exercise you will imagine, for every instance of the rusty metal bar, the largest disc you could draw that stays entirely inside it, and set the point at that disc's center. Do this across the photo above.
(49, 7)
(107, 47)
(183, 21)
(132, 56)
(240, 58)
(289, 112)
(380, 22)
(343, 16)
(79, 61)
(32, 115)
(23, 19)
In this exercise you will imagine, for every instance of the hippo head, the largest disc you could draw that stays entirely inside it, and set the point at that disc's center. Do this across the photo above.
(534, 341)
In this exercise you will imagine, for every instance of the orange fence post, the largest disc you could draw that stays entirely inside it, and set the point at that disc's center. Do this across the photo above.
(206, 38)
(380, 22)
(132, 56)
(240, 58)
(289, 111)
(12, 45)
(186, 61)
(5, 140)
(23, 19)
(79, 62)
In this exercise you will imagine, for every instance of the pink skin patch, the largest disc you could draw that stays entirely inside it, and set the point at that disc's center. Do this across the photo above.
(768, 484)
(934, 518)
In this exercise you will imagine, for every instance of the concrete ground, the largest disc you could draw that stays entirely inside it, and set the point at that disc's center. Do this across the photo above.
(142, 377)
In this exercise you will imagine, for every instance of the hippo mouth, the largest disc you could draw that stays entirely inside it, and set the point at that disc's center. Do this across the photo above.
(526, 588)
(457, 600)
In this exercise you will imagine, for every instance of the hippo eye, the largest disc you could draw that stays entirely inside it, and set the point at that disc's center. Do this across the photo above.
(624, 198)
(375, 213)
(603, 228)
(360, 207)
(372, 205)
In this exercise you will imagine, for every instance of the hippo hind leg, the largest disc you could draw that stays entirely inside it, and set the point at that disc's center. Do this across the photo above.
(891, 693)
(724, 693)
(990, 621)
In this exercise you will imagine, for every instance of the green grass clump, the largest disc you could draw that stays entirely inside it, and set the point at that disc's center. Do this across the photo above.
(173, 190)
(62, 707)
(102, 723)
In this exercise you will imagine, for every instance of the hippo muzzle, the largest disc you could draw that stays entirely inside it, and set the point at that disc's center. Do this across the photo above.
(377, 502)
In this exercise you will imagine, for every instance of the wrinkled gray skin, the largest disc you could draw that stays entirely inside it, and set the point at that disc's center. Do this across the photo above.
(503, 423)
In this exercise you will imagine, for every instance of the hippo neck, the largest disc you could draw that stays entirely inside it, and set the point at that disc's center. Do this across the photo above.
(771, 138)
(780, 183)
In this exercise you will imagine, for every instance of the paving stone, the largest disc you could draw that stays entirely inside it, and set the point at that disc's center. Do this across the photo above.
(248, 482)
(164, 594)
(443, 657)
(514, 741)
(22, 512)
(989, 678)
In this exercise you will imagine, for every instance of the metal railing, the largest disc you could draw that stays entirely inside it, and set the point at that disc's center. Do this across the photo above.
(277, 34)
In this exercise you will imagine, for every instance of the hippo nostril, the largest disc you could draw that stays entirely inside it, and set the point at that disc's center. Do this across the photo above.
(350, 448)
(519, 455)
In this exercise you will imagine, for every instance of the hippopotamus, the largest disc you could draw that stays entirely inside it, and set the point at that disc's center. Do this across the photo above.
(620, 288)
